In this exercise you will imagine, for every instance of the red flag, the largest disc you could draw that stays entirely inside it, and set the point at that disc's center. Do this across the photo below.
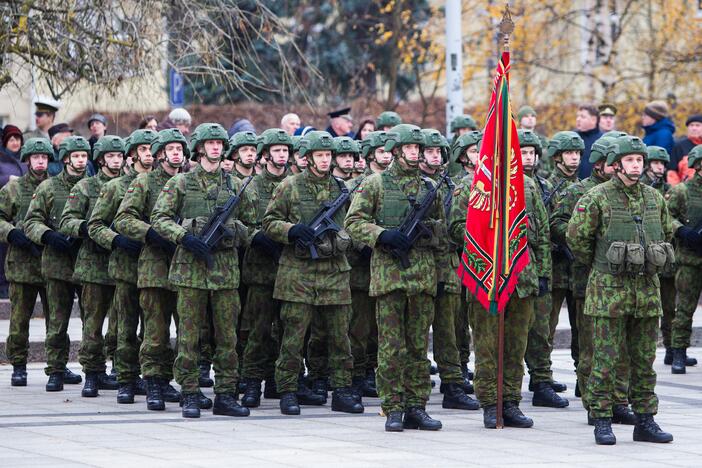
(495, 248)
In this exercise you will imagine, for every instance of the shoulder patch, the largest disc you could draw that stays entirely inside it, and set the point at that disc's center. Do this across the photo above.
(34, 195)
(581, 208)
(130, 190)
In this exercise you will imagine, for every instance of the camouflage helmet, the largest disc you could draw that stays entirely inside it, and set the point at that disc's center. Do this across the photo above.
(108, 144)
(36, 146)
(205, 132)
(658, 153)
(434, 139)
(624, 145)
(694, 155)
(388, 119)
(600, 149)
(239, 139)
(139, 137)
(614, 134)
(404, 134)
(296, 143)
(564, 141)
(317, 140)
(529, 138)
(463, 142)
(344, 145)
(271, 137)
(167, 136)
(372, 141)
(463, 121)
(73, 144)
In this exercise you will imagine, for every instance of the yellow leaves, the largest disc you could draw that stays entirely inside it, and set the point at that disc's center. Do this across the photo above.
(388, 7)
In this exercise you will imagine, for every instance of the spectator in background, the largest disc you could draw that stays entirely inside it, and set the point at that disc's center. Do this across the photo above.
(679, 171)
(10, 167)
(657, 126)
(241, 125)
(608, 117)
(341, 123)
(57, 134)
(97, 124)
(290, 123)
(178, 118)
(367, 126)
(149, 123)
(44, 115)
(587, 126)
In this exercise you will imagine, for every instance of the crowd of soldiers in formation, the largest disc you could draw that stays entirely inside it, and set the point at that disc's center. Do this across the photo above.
(303, 287)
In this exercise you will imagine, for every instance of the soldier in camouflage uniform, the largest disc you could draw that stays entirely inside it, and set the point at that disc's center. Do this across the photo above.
(460, 125)
(244, 154)
(122, 265)
(404, 296)
(620, 229)
(386, 120)
(309, 288)
(538, 351)
(40, 225)
(533, 281)
(685, 204)
(157, 297)
(22, 270)
(192, 198)
(90, 269)
(447, 306)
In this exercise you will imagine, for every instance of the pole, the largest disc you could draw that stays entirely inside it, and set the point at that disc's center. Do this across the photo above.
(454, 62)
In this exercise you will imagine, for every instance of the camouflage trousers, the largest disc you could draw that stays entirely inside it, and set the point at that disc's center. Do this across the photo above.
(403, 341)
(558, 295)
(246, 319)
(318, 349)
(610, 335)
(585, 337)
(518, 316)
(207, 343)
(156, 354)
(688, 283)
(97, 301)
(668, 303)
(111, 335)
(540, 342)
(23, 297)
(59, 295)
(126, 303)
(193, 310)
(446, 310)
(265, 328)
(361, 330)
(463, 328)
(296, 318)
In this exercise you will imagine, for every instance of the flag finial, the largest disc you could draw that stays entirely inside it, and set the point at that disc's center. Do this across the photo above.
(506, 26)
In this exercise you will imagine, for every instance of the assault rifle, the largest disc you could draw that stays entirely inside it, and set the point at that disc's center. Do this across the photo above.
(412, 225)
(449, 198)
(546, 197)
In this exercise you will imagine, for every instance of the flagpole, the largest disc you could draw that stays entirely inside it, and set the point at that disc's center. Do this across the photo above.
(506, 27)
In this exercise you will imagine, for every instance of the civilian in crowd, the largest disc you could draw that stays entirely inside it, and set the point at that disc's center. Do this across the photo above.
(290, 122)
(367, 126)
(57, 134)
(178, 118)
(97, 124)
(678, 170)
(10, 168)
(587, 126)
(341, 123)
(241, 125)
(150, 122)
(657, 126)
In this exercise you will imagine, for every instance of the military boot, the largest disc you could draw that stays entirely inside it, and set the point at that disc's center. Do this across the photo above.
(513, 416)
(544, 395)
(90, 387)
(154, 397)
(417, 418)
(71, 378)
(490, 416)
(647, 430)
(170, 394)
(203, 401)
(225, 404)
(456, 398)
(125, 394)
(191, 405)
(433, 370)
(19, 376)
(467, 373)
(668, 359)
(344, 400)
(678, 361)
(370, 389)
(319, 386)
(271, 390)
(393, 423)
(252, 395)
(288, 404)
(139, 386)
(305, 396)
(577, 390)
(106, 382)
(55, 383)
(204, 380)
(558, 387)
(622, 414)
(603, 432)
(357, 384)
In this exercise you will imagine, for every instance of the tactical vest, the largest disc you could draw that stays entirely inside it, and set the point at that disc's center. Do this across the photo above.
(264, 190)
(27, 185)
(197, 203)
(395, 201)
(694, 202)
(155, 181)
(309, 205)
(60, 189)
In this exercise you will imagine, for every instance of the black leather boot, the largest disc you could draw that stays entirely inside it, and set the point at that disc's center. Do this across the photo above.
(55, 383)
(357, 384)
(191, 405)
(19, 376)
(678, 361)
(125, 394)
(393, 423)
(467, 373)
(668, 359)
(170, 394)
(456, 398)
(544, 395)
(558, 387)
(622, 414)
(271, 390)
(154, 397)
(369, 388)
(90, 387)
(225, 404)
(107, 382)
(490, 416)
(139, 386)
(603, 432)
(203, 401)
(71, 378)
(252, 395)
(417, 418)
(647, 430)
(288, 404)
(344, 400)
(306, 397)
(319, 386)
(513, 416)
(204, 380)
(577, 390)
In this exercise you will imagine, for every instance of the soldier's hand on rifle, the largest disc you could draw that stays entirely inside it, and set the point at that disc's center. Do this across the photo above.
(301, 232)
(689, 236)
(83, 230)
(196, 246)
(18, 238)
(395, 239)
(56, 240)
(543, 286)
(130, 246)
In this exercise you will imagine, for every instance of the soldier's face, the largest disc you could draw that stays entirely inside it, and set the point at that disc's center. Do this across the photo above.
(39, 162)
(113, 161)
(463, 131)
(608, 170)
(360, 165)
(146, 159)
(382, 157)
(78, 160)
(227, 165)
(213, 148)
(632, 165)
(322, 161)
(247, 154)
(473, 154)
(345, 161)
(571, 159)
(528, 157)
(174, 153)
(410, 153)
(607, 122)
(279, 154)
(657, 168)
(300, 161)
(528, 121)
(432, 156)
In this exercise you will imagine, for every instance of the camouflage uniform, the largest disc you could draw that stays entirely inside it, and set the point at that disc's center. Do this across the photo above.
(43, 215)
(624, 307)
(22, 269)
(192, 198)
(309, 288)
(405, 297)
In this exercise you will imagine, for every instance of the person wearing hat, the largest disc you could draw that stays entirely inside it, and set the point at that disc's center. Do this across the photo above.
(657, 126)
(57, 134)
(679, 170)
(608, 117)
(45, 110)
(526, 119)
(178, 118)
(97, 125)
(460, 125)
(242, 150)
(621, 229)
(386, 120)
(341, 123)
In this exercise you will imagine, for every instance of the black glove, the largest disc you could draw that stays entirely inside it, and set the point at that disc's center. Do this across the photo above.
(83, 230)
(543, 286)
(18, 238)
(265, 243)
(196, 246)
(154, 238)
(366, 252)
(689, 236)
(395, 239)
(440, 286)
(301, 232)
(56, 240)
(130, 246)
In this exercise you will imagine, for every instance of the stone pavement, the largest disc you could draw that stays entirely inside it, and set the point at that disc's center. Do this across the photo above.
(63, 429)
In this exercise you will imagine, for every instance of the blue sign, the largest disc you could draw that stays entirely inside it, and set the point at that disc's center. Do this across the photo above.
(176, 89)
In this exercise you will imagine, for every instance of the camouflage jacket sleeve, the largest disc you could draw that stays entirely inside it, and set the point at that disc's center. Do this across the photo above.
(677, 205)
(275, 221)
(37, 213)
(667, 220)
(247, 214)
(99, 225)
(562, 212)
(582, 228)
(167, 207)
(75, 209)
(8, 208)
(542, 242)
(457, 215)
(360, 218)
(129, 219)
